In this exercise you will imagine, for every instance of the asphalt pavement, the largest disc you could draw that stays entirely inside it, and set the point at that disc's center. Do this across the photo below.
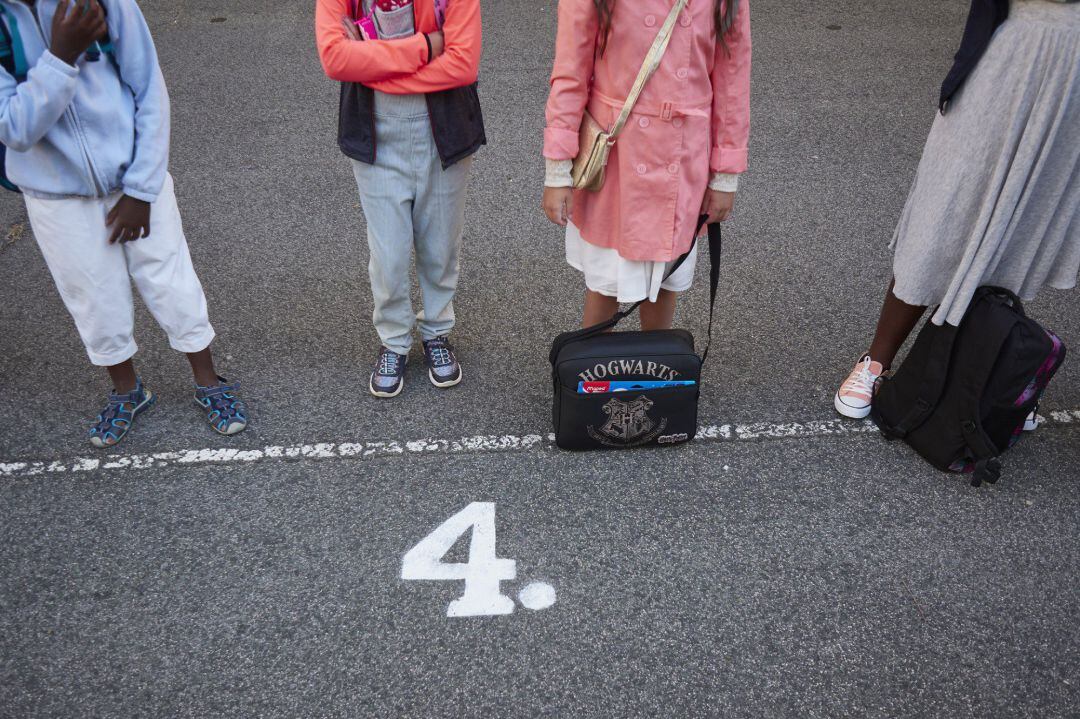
(784, 565)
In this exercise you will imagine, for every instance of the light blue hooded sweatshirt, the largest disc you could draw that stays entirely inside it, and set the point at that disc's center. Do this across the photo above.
(91, 130)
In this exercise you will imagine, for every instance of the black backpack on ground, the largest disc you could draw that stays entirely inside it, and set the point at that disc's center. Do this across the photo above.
(962, 395)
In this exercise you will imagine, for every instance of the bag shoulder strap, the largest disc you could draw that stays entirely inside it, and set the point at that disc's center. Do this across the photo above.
(715, 246)
(359, 9)
(648, 68)
(107, 46)
(935, 373)
(12, 55)
(983, 450)
(7, 54)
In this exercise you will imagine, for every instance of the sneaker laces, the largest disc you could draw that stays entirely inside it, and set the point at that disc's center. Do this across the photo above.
(388, 363)
(439, 352)
(861, 380)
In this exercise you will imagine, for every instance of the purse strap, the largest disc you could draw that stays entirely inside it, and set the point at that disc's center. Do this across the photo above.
(648, 68)
(715, 242)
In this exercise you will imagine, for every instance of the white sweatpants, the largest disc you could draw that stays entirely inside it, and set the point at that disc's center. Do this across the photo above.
(94, 277)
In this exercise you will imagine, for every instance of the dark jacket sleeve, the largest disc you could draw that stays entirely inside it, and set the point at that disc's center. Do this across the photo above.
(983, 19)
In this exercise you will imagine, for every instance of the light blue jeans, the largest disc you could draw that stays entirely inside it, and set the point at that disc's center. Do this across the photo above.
(411, 203)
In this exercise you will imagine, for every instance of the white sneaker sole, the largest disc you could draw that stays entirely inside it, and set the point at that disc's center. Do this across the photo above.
(444, 385)
(850, 412)
(386, 395)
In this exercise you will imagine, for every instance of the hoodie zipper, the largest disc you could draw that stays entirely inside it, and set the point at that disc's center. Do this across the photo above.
(97, 186)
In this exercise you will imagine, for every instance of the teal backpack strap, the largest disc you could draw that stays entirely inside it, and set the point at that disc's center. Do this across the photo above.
(13, 60)
(7, 55)
(12, 55)
(93, 53)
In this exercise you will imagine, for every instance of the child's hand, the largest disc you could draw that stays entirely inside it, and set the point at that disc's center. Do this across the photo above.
(438, 43)
(717, 205)
(129, 219)
(75, 26)
(559, 204)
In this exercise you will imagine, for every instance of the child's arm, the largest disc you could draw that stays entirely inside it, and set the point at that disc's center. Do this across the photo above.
(137, 61)
(458, 66)
(30, 110)
(365, 61)
(575, 49)
(731, 97)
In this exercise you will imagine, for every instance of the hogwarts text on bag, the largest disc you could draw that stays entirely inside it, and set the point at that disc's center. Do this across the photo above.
(617, 368)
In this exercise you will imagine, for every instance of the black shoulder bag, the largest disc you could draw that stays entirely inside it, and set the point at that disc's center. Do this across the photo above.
(630, 389)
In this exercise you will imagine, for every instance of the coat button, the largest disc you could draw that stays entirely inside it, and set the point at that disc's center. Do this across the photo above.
(673, 168)
(650, 20)
(641, 169)
(681, 73)
(644, 122)
(685, 20)
(677, 122)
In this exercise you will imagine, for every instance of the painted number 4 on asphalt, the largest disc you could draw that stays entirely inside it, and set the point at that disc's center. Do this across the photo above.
(482, 574)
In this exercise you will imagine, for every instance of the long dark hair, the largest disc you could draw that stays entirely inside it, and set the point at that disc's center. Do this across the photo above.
(725, 18)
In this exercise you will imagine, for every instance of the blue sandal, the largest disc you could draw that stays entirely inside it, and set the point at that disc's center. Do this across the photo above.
(225, 411)
(119, 415)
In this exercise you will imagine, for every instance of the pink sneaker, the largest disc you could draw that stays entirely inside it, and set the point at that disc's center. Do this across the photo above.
(855, 394)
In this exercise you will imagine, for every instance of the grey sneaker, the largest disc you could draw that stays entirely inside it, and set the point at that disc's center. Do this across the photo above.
(443, 368)
(388, 378)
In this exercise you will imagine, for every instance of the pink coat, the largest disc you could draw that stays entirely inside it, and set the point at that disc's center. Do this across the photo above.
(693, 119)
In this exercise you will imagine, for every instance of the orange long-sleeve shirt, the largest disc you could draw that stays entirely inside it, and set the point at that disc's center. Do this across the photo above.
(401, 67)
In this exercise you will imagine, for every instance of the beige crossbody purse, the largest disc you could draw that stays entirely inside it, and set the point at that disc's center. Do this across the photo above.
(595, 143)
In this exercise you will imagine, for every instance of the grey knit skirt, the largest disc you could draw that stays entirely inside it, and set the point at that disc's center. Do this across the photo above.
(996, 199)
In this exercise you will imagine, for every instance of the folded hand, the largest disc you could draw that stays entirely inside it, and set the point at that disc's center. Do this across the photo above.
(438, 43)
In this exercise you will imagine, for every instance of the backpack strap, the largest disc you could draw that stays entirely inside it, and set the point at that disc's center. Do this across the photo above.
(933, 385)
(715, 242)
(94, 52)
(12, 54)
(973, 384)
(987, 464)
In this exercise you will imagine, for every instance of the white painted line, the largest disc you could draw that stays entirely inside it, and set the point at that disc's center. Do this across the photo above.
(1065, 416)
(464, 445)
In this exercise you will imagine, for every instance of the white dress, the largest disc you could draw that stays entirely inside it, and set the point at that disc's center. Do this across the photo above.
(611, 275)
(627, 280)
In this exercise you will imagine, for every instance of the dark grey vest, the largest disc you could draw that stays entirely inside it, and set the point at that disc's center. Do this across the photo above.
(457, 123)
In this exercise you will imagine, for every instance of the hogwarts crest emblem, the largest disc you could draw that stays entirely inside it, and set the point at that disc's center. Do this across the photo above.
(628, 423)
